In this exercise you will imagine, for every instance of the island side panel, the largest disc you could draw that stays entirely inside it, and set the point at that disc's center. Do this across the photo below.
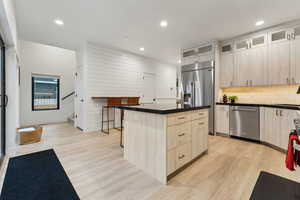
(145, 142)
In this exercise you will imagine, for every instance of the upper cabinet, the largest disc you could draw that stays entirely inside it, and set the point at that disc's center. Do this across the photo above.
(227, 65)
(270, 58)
(198, 54)
(279, 58)
(295, 55)
(251, 61)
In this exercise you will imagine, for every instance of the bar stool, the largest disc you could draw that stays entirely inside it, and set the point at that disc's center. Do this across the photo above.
(111, 102)
(131, 101)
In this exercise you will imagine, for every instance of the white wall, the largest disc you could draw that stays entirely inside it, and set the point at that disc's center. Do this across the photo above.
(46, 60)
(110, 72)
(8, 31)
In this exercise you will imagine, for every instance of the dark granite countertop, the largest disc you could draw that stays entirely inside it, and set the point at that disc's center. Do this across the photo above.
(280, 106)
(162, 108)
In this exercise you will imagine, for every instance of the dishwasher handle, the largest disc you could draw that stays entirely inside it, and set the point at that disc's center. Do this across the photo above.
(244, 109)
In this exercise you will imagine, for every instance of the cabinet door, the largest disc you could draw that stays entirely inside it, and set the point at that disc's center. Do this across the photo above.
(271, 126)
(222, 116)
(199, 136)
(279, 36)
(257, 67)
(279, 63)
(295, 56)
(242, 64)
(226, 70)
(287, 124)
(259, 41)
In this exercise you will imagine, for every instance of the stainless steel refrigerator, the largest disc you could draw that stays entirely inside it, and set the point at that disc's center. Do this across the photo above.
(198, 86)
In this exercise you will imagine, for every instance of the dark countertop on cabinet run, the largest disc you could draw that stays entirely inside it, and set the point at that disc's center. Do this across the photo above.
(162, 108)
(280, 106)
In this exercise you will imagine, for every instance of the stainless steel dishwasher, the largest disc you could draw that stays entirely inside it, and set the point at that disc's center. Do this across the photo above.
(244, 122)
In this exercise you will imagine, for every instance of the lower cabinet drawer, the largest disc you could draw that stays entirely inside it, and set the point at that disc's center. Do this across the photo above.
(199, 114)
(183, 133)
(183, 154)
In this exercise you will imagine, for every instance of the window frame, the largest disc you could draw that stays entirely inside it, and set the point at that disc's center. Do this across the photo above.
(32, 92)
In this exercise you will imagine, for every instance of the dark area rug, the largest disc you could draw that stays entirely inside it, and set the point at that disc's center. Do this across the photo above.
(273, 187)
(37, 176)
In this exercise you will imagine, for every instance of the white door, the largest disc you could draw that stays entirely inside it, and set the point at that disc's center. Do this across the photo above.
(279, 58)
(271, 126)
(149, 85)
(287, 124)
(242, 62)
(258, 66)
(295, 56)
(222, 119)
(226, 70)
(79, 101)
(279, 63)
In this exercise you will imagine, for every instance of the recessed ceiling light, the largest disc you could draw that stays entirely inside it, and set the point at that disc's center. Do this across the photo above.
(163, 23)
(59, 22)
(142, 49)
(259, 23)
(179, 61)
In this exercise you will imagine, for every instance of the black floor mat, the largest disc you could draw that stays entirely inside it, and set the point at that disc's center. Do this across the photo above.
(272, 187)
(37, 176)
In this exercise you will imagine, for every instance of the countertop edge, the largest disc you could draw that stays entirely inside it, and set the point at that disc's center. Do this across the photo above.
(163, 112)
(261, 105)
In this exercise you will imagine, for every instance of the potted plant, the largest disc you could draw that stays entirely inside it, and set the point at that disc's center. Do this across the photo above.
(233, 99)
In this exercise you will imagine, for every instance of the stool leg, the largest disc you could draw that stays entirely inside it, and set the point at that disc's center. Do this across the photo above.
(121, 139)
(114, 122)
(108, 120)
(102, 120)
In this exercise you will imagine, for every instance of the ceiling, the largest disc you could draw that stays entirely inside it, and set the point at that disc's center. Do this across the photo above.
(131, 24)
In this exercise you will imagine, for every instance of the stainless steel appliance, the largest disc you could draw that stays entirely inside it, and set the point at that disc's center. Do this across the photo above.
(198, 85)
(244, 122)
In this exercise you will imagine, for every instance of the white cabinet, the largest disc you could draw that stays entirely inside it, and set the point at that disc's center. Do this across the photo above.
(279, 58)
(277, 124)
(271, 58)
(295, 55)
(251, 61)
(222, 119)
(226, 66)
(199, 136)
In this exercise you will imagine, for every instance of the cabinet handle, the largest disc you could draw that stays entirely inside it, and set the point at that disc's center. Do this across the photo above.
(288, 36)
(280, 113)
(180, 157)
(276, 112)
(201, 113)
(288, 80)
(247, 83)
(181, 135)
(293, 36)
(181, 118)
(201, 123)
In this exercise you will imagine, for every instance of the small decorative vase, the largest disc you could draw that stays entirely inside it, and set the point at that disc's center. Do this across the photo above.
(232, 101)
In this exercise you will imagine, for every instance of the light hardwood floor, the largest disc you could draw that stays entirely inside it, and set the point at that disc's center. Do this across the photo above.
(95, 165)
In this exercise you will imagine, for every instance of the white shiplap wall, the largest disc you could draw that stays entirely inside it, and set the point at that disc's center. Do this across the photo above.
(111, 72)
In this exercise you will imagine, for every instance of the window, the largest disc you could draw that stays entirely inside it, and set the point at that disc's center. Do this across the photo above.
(45, 93)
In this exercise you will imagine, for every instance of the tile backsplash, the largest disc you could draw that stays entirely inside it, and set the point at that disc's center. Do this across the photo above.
(264, 95)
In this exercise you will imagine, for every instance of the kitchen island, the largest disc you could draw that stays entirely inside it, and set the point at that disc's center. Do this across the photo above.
(163, 139)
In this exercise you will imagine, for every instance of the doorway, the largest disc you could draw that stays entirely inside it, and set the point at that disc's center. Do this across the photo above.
(149, 86)
(3, 99)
